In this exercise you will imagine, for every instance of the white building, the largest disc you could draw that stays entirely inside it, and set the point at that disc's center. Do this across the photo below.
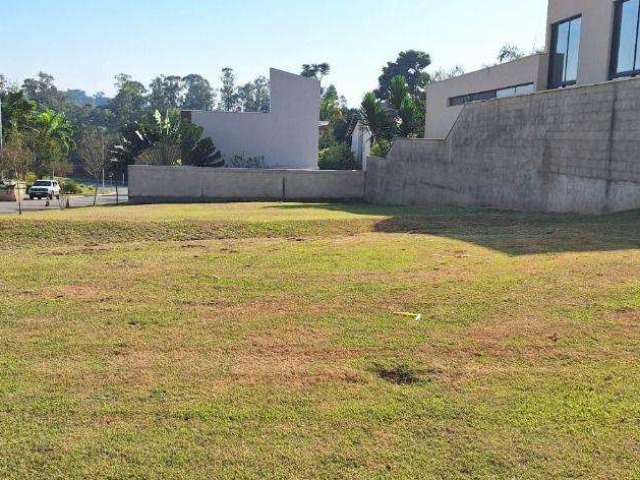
(286, 137)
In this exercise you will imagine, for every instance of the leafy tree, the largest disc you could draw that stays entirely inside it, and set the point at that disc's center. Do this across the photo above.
(408, 113)
(130, 102)
(255, 96)
(166, 93)
(79, 98)
(316, 70)
(229, 100)
(57, 127)
(16, 159)
(167, 140)
(43, 91)
(17, 112)
(376, 118)
(199, 94)
(410, 65)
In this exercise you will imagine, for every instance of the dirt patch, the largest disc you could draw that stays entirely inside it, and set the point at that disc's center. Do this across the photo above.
(401, 374)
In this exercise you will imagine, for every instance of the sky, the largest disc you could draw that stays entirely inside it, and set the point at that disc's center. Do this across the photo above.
(85, 43)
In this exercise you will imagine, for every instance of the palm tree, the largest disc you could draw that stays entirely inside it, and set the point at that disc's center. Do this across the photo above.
(57, 127)
(375, 117)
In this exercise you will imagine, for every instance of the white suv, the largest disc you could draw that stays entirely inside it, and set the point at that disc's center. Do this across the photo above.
(45, 189)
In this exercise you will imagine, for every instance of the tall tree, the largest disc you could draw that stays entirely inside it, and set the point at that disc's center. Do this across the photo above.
(411, 65)
(255, 96)
(130, 102)
(43, 91)
(166, 93)
(199, 95)
(16, 159)
(316, 70)
(229, 100)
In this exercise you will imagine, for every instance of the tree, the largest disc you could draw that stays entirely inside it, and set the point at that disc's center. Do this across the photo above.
(57, 127)
(52, 141)
(229, 100)
(166, 140)
(130, 102)
(443, 74)
(408, 113)
(166, 93)
(199, 94)
(16, 159)
(255, 96)
(17, 112)
(375, 117)
(43, 91)
(410, 65)
(92, 149)
(509, 53)
(316, 70)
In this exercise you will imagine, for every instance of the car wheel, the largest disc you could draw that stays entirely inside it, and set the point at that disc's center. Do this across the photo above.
(31, 197)
(57, 197)
(50, 196)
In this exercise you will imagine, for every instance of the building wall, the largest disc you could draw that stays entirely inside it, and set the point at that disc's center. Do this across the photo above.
(570, 150)
(594, 63)
(287, 136)
(441, 116)
(149, 184)
(361, 143)
(596, 38)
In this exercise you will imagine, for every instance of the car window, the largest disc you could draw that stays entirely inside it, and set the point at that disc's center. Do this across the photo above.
(42, 183)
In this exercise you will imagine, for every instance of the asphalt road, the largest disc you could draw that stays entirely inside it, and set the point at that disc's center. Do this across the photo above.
(11, 208)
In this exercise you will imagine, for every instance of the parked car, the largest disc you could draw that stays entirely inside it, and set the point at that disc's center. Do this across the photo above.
(45, 189)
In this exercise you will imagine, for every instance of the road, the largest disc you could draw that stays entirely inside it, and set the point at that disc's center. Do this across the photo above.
(7, 208)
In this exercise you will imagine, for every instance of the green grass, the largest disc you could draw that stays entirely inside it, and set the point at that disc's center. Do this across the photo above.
(262, 341)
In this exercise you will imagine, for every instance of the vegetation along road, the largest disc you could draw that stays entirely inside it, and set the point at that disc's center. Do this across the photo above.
(252, 341)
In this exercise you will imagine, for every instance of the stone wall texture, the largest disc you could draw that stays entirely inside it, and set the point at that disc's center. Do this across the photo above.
(573, 150)
(149, 184)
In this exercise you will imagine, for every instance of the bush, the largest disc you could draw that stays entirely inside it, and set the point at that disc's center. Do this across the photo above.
(381, 148)
(242, 161)
(70, 187)
(337, 157)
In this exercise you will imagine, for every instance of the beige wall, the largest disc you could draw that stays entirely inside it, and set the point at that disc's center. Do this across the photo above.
(596, 38)
(287, 136)
(441, 117)
(594, 63)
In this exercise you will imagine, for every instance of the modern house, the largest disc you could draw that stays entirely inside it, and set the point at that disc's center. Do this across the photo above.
(286, 137)
(587, 42)
(555, 132)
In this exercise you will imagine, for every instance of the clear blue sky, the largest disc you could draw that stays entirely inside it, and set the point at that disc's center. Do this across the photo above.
(84, 43)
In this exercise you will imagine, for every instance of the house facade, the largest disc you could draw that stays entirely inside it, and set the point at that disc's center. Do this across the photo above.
(587, 42)
(284, 138)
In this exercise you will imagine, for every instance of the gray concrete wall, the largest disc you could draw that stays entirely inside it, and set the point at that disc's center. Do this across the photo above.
(441, 116)
(149, 184)
(287, 136)
(572, 150)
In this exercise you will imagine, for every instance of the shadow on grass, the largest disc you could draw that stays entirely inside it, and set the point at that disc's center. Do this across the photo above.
(513, 233)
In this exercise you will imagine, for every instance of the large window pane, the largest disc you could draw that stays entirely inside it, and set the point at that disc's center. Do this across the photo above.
(573, 51)
(559, 58)
(627, 36)
(565, 53)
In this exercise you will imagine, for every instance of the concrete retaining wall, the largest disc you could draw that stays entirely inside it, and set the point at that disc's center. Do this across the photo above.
(572, 150)
(148, 184)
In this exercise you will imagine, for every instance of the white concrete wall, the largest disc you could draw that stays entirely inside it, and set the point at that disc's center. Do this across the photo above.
(441, 116)
(361, 144)
(287, 136)
(149, 184)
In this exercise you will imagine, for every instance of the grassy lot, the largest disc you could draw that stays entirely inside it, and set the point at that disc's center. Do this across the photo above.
(262, 341)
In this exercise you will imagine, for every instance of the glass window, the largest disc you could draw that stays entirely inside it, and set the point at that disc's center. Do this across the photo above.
(565, 53)
(491, 94)
(627, 41)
